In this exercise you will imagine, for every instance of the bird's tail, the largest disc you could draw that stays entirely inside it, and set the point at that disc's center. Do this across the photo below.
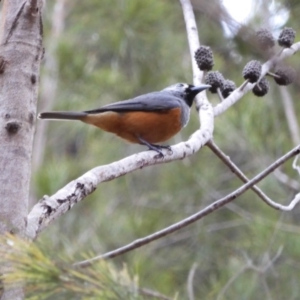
(62, 115)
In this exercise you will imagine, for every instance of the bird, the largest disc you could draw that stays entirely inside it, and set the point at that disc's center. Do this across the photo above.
(148, 119)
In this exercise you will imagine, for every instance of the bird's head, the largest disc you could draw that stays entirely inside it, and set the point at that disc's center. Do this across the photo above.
(186, 91)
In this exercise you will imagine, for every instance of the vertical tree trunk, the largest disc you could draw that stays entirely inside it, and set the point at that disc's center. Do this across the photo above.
(20, 54)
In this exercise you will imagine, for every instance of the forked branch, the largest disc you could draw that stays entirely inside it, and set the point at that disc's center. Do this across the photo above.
(199, 215)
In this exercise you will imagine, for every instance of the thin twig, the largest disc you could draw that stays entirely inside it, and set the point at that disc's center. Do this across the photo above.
(220, 95)
(271, 74)
(285, 179)
(267, 266)
(199, 215)
(290, 115)
(249, 266)
(190, 282)
(234, 168)
(295, 166)
(231, 281)
(242, 86)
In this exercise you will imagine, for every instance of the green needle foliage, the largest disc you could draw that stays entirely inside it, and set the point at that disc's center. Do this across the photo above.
(46, 278)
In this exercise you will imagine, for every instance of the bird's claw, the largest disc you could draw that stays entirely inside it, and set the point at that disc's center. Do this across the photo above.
(156, 148)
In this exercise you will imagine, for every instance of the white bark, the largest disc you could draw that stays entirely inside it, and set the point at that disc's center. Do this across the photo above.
(21, 50)
(20, 54)
(49, 209)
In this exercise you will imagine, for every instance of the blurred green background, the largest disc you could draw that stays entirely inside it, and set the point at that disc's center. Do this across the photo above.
(111, 50)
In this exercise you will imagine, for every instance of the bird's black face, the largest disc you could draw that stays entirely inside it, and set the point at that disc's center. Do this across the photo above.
(186, 91)
(191, 92)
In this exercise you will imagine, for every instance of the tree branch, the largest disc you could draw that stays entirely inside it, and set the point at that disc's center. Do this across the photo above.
(194, 44)
(244, 178)
(235, 96)
(238, 93)
(49, 209)
(199, 215)
(193, 37)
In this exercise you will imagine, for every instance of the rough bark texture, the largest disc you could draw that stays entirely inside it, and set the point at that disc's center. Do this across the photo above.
(20, 54)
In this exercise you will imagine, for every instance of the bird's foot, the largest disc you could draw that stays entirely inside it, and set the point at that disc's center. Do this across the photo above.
(156, 148)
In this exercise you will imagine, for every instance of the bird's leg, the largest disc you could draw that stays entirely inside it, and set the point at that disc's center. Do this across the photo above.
(153, 147)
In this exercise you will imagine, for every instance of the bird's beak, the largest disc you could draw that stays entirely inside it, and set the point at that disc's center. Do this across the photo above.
(197, 89)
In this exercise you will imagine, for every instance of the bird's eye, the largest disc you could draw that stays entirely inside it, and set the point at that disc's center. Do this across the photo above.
(180, 85)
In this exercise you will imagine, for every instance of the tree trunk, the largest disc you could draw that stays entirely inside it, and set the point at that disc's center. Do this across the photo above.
(20, 55)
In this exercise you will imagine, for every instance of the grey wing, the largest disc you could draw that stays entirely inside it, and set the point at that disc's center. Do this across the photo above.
(156, 101)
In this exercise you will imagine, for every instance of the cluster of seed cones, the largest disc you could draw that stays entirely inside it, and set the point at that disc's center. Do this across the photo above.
(252, 70)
